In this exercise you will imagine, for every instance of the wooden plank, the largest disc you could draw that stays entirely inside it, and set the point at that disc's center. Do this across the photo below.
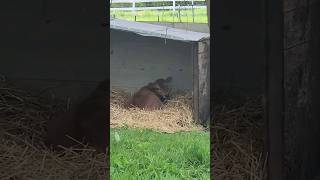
(195, 82)
(204, 80)
(208, 11)
(274, 87)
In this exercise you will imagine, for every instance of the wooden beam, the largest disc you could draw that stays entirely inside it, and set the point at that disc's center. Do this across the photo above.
(208, 11)
(204, 81)
(195, 91)
(201, 82)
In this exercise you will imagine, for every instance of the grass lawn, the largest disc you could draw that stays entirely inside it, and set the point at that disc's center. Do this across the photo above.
(145, 154)
(200, 15)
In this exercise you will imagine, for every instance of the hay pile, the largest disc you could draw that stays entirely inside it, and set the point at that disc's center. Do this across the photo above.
(237, 141)
(175, 116)
(23, 154)
(236, 132)
(236, 135)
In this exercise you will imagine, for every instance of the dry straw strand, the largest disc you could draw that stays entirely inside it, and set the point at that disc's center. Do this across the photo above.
(236, 141)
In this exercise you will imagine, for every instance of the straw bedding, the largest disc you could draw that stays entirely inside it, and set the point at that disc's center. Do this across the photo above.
(237, 131)
(237, 141)
(23, 155)
(175, 116)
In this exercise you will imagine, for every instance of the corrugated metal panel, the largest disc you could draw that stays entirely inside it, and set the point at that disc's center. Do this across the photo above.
(146, 29)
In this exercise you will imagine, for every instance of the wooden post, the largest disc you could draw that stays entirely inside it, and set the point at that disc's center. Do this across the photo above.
(192, 3)
(174, 5)
(204, 81)
(201, 82)
(134, 9)
(179, 13)
(195, 91)
(208, 11)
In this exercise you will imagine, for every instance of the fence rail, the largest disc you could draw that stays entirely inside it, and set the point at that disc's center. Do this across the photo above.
(173, 7)
(139, 1)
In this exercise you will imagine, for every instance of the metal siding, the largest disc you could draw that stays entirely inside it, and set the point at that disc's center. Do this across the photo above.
(137, 60)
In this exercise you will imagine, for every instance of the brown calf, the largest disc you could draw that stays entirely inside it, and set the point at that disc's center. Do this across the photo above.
(59, 129)
(92, 117)
(87, 123)
(152, 96)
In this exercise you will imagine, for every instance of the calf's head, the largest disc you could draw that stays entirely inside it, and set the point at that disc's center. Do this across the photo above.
(161, 87)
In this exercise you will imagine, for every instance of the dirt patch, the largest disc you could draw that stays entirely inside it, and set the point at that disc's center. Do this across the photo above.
(175, 116)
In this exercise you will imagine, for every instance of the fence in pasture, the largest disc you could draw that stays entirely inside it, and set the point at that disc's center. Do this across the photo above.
(175, 6)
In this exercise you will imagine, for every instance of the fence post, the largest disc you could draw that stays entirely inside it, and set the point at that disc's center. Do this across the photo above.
(192, 10)
(179, 13)
(174, 5)
(134, 10)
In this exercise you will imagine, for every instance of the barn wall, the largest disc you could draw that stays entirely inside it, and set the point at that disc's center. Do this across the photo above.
(238, 53)
(49, 42)
(137, 60)
(301, 74)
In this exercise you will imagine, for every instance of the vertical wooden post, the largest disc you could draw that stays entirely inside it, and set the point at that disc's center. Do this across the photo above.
(208, 11)
(133, 6)
(204, 81)
(179, 13)
(195, 91)
(174, 5)
(192, 3)
(134, 10)
(201, 82)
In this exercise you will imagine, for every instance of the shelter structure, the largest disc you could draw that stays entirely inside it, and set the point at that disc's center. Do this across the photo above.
(141, 53)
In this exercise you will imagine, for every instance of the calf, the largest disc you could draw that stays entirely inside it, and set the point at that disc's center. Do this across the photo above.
(59, 129)
(88, 123)
(152, 96)
(91, 118)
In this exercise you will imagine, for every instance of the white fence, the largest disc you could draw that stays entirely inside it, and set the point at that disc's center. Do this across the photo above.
(173, 7)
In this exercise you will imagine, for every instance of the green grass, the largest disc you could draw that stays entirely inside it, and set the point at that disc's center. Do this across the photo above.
(200, 16)
(145, 154)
